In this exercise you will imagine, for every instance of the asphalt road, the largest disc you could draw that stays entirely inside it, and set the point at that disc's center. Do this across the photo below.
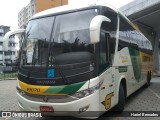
(145, 99)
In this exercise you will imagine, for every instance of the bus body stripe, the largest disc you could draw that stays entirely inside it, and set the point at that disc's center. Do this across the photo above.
(66, 89)
(49, 90)
(26, 87)
(136, 63)
(141, 63)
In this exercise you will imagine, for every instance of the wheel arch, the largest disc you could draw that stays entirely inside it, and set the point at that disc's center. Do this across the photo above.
(122, 81)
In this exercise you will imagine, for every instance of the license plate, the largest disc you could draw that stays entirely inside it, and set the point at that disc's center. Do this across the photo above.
(46, 109)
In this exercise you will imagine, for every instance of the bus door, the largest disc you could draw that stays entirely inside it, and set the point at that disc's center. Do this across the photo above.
(107, 98)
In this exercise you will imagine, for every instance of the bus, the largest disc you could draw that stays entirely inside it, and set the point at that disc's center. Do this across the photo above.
(81, 59)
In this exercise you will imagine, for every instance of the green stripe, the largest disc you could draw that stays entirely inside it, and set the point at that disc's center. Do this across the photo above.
(65, 89)
(136, 63)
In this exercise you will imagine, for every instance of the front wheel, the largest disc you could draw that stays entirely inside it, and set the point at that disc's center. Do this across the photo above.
(121, 100)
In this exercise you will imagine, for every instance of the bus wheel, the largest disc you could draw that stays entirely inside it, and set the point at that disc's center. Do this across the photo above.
(148, 80)
(121, 100)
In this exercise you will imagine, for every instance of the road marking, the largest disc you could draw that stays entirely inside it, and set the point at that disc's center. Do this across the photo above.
(154, 93)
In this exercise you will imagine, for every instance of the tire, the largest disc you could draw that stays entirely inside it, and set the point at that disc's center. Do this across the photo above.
(121, 100)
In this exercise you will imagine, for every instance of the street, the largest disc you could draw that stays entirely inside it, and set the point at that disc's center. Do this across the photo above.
(145, 99)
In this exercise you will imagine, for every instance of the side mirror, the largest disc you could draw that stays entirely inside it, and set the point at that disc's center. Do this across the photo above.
(7, 36)
(95, 27)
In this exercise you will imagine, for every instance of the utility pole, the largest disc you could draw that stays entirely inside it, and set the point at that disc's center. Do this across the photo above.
(61, 2)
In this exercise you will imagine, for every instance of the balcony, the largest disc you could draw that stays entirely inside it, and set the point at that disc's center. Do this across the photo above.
(12, 48)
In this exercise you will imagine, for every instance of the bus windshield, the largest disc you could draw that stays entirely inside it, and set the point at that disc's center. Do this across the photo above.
(60, 42)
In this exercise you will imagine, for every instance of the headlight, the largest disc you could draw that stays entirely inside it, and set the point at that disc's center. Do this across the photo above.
(88, 91)
(21, 92)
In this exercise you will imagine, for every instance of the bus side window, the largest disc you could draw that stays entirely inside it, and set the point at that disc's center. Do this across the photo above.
(125, 35)
(107, 38)
(111, 28)
(128, 36)
(104, 58)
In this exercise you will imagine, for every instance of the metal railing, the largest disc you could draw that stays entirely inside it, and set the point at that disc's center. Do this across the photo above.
(8, 72)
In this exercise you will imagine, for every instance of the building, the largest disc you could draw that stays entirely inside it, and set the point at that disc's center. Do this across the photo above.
(7, 57)
(22, 18)
(36, 6)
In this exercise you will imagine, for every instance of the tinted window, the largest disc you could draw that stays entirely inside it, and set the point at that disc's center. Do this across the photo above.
(35, 47)
(104, 55)
(1, 34)
(73, 27)
(69, 52)
(125, 35)
(40, 28)
(129, 37)
(110, 28)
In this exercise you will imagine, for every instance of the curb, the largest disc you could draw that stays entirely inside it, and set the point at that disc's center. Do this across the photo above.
(8, 79)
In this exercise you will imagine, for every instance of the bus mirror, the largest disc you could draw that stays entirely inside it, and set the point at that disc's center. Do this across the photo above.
(95, 27)
(7, 36)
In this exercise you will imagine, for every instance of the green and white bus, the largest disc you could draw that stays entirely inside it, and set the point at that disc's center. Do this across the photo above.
(81, 59)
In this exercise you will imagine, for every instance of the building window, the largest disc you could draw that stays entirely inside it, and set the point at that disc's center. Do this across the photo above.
(7, 52)
(1, 34)
(7, 60)
(13, 53)
(14, 44)
(9, 44)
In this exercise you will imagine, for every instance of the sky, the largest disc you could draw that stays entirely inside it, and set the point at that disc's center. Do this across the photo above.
(9, 9)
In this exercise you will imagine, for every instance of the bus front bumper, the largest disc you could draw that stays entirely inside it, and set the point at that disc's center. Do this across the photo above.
(84, 107)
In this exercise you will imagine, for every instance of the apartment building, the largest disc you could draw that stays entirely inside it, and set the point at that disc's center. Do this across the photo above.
(7, 57)
(36, 6)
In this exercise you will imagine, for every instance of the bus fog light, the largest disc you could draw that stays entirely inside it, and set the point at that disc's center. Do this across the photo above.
(83, 109)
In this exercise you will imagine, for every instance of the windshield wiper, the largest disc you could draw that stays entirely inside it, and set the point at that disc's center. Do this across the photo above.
(42, 50)
(53, 58)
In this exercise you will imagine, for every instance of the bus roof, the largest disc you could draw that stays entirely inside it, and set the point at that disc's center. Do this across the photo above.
(66, 8)
(70, 8)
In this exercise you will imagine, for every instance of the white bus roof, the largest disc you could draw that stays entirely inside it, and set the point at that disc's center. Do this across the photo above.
(70, 7)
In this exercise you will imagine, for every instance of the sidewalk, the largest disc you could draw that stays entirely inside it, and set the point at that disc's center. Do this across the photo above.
(156, 74)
